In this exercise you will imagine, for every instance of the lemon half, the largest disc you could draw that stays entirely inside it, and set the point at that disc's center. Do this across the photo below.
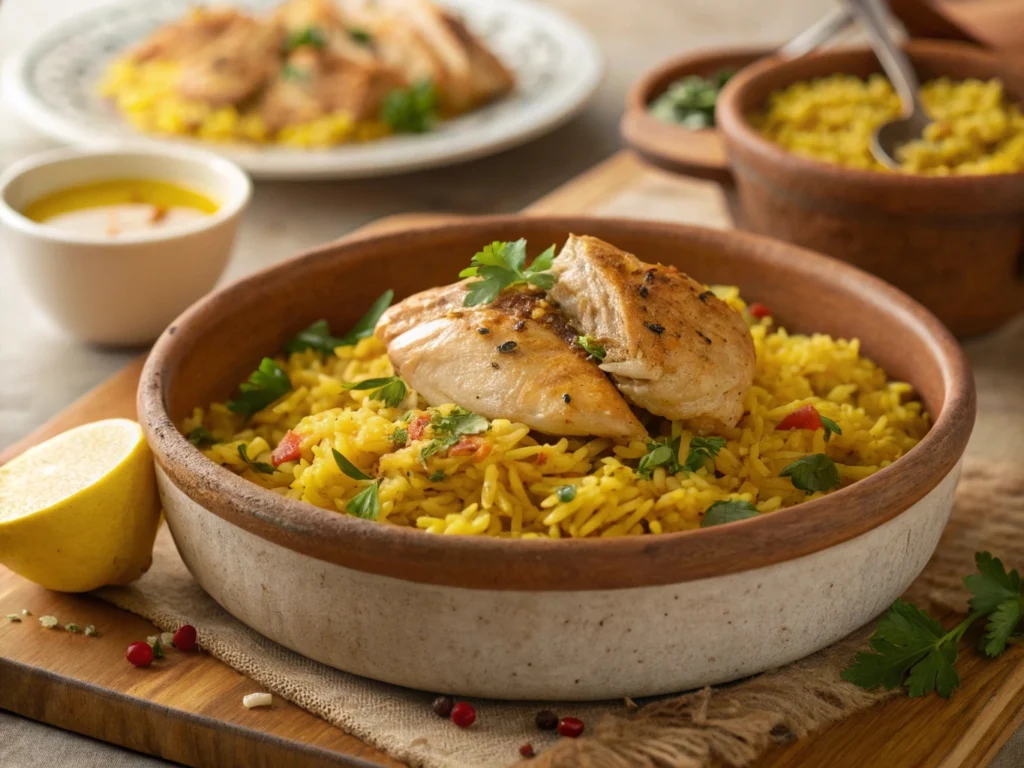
(81, 510)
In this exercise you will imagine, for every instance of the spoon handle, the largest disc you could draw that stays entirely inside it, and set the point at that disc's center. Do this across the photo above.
(872, 17)
(823, 31)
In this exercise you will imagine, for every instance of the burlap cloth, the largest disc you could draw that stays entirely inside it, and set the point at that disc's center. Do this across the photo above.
(733, 724)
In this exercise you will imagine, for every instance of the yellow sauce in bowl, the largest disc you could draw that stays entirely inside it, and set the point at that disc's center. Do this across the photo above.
(120, 207)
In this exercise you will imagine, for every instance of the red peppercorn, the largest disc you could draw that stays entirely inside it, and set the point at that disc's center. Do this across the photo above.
(527, 750)
(804, 417)
(139, 654)
(760, 311)
(570, 727)
(443, 706)
(185, 638)
(463, 714)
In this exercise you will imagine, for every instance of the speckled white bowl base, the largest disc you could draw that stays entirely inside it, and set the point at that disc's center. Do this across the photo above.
(579, 645)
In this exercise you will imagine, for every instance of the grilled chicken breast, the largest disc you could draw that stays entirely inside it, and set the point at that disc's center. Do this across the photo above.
(500, 361)
(672, 347)
(234, 65)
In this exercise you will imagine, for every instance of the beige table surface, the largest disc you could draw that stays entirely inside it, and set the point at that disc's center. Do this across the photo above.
(41, 372)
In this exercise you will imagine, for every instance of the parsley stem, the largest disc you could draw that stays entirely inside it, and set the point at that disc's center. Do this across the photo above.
(958, 631)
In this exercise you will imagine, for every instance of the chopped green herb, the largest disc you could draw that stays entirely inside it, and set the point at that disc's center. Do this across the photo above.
(256, 466)
(830, 427)
(911, 648)
(690, 101)
(348, 467)
(500, 265)
(400, 436)
(74, 628)
(722, 512)
(312, 36)
(663, 453)
(436, 477)
(448, 429)
(365, 504)
(816, 472)
(318, 335)
(291, 72)
(702, 450)
(412, 109)
(14, 617)
(566, 493)
(90, 631)
(591, 347)
(158, 650)
(200, 437)
(390, 390)
(360, 36)
(267, 384)
(26, 612)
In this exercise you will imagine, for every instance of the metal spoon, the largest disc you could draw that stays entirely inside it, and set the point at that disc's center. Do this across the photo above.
(889, 137)
(827, 29)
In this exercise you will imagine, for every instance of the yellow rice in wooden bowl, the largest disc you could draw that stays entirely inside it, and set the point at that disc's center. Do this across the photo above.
(513, 483)
(976, 128)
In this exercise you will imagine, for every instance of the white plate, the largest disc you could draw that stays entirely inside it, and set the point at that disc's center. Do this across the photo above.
(53, 82)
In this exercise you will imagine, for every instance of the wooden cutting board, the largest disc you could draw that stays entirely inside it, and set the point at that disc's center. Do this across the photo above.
(189, 708)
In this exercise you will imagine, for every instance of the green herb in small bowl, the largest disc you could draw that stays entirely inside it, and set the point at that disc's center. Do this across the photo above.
(690, 101)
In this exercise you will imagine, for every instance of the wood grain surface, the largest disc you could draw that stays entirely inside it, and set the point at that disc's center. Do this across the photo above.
(189, 709)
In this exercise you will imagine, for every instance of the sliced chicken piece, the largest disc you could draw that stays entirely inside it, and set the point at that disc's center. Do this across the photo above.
(489, 78)
(341, 37)
(234, 65)
(184, 38)
(501, 362)
(672, 347)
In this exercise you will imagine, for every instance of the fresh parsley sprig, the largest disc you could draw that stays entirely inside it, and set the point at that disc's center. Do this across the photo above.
(366, 503)
(313, 36)
(201, 437)
(722, 512)
(912, 649)
(257, 466)
(412, 109)
(389, 389)
(318, 335)
(266, 384)
(665, 453)
(702, 450)
(830, 427)
(816, 472)
(502, 264)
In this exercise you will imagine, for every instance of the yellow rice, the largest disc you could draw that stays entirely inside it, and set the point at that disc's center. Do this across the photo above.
(976, 130)
(146, 94)
(509, 493)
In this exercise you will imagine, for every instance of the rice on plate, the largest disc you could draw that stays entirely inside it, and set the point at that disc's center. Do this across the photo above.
(329, 423)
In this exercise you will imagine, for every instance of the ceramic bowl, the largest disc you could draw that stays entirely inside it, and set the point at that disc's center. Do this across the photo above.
(583, 619)
(122, 291)
(953, 242)
(674, 147)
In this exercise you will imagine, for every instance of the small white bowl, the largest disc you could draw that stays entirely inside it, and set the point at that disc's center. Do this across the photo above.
(120, 291)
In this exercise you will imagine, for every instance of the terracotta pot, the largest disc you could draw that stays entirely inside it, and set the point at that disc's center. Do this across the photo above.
(565, 619)
(954, 243)
(674, 147)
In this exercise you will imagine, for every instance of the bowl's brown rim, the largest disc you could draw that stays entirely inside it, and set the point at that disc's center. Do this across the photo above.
(655, 140)
(562, 565)
(735, 126)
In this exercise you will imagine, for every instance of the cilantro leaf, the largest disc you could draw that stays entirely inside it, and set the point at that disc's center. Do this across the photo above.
(436, 477)
(992, 585)
(663, 453)
(318, 335)
(399, 437)
(830, 427)
(200, 437)
(566, 493)
(722, 512)
(591, 347)
(816, 472)
(257, 466)
(500, 265)
(366, 503)
(391, 390)
(348, 467)
(702, 450)
(267, 383)
(448, 429)
(312, 36)
(412, 109)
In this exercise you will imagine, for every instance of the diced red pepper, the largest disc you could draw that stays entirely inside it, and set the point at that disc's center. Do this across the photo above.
(759, 310)
(465, 446)
(542, 459)
(417, 426)
(482, 452)
(804, 417)
(287, 450)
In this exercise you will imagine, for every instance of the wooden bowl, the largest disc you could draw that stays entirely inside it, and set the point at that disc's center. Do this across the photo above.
(566, 619)
(954, 243)
(674, 147)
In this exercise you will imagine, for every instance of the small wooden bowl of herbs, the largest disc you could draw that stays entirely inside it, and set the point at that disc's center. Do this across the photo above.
(670, 112)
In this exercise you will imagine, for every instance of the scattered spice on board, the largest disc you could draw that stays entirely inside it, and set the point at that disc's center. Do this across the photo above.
(48, 621)
(443, 706)
(73, 628)
(546, 720)
(527, 750)
(257, 700)
(570, 727)
(139, 654)
(185, 638)
(90, 631)
(463, 714)
(14, 618)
